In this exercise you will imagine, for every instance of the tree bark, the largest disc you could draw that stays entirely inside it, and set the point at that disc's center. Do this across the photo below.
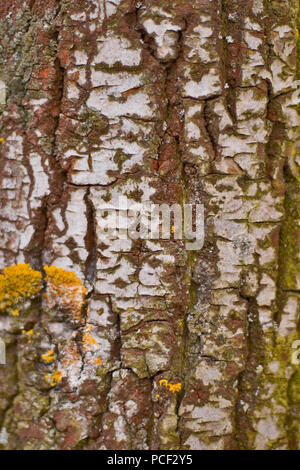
(183, 101)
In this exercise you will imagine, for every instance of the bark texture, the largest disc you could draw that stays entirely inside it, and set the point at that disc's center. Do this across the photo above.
(148, 345)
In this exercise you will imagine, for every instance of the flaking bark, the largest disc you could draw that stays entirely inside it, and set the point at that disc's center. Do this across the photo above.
(152, 346)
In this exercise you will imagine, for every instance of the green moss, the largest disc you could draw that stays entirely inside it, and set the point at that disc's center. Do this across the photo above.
(283, 390)
(290, 235)
(120, 283)
(294, 388)
(91, 118)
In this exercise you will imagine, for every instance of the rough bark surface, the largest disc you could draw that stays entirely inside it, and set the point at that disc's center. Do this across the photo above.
(182, 101)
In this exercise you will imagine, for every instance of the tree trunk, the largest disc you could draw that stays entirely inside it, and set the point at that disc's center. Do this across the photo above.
(146, 344)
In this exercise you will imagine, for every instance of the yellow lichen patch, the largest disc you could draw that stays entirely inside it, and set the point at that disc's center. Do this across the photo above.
(54, 379)
(173, 388)
(60, 277)
(2, 140)
(18, 283)
(15, 313)
(163, 382)
(30, 334)
(49, 357)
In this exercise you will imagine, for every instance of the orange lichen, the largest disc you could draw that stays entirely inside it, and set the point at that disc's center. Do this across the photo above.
(2, 140)
(65, 289)
(45, 72)
(18, 283)
(54, 379)
(88, 339)
(98, 361)
(69, 355)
